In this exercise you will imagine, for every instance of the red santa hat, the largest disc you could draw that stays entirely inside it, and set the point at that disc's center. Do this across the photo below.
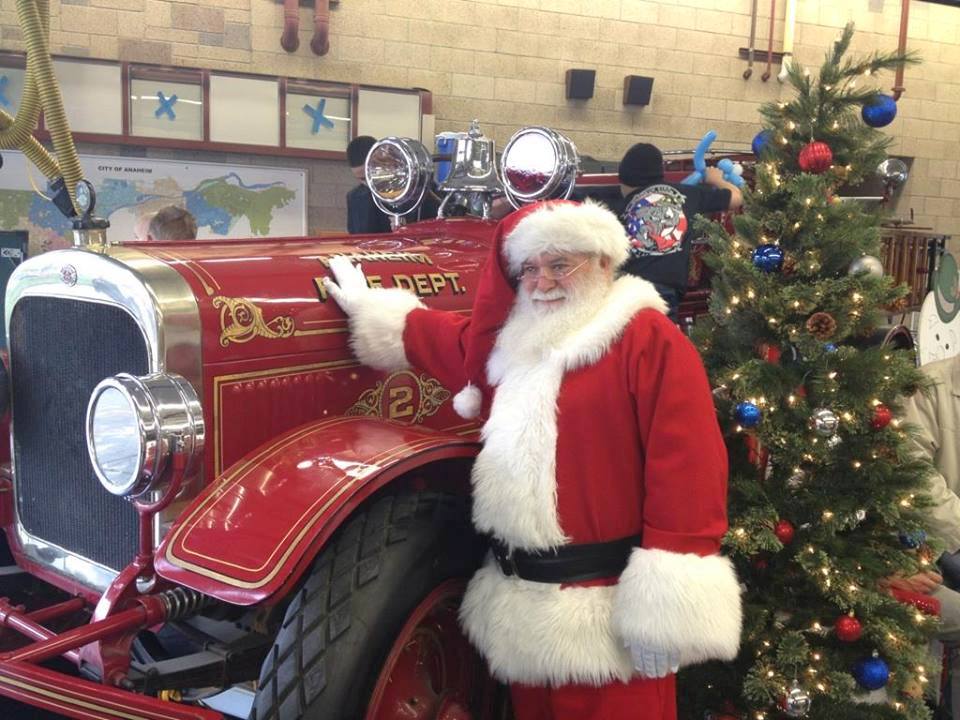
(554, 226)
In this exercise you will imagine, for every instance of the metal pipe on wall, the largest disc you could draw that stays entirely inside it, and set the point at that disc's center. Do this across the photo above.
(321, 28)
(773, 15)
(898, 87)
(290, 40)
(789, 25)
(753, 39)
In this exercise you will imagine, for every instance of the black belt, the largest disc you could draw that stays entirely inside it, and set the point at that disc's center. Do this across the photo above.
(567, 563)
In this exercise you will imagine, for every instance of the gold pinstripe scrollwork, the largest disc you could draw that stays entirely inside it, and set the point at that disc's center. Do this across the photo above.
(241, 321)
(430, 396)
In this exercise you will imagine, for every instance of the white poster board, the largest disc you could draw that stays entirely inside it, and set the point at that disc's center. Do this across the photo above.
(92, 96)
(228, 201)
(382, 113)
(244, 110)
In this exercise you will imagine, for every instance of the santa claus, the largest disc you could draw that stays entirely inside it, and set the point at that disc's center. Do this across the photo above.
(602, 478)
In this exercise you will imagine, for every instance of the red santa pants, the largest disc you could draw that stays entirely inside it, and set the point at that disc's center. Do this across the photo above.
(640, 699)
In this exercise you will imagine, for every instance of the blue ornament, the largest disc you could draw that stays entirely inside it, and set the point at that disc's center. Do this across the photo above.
(830, 347)
(879, 111)
(747, 414)
(913, 539)
(760, 141)
(767, 258)
(872, 673)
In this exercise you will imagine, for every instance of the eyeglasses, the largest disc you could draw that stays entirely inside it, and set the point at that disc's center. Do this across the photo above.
(557, 270)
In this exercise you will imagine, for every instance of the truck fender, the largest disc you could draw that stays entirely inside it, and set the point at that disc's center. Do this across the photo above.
(253, 532)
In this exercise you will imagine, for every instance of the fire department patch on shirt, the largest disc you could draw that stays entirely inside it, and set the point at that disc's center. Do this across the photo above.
(655, 221)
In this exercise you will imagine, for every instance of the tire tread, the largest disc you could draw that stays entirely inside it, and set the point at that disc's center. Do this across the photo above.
(294, 673)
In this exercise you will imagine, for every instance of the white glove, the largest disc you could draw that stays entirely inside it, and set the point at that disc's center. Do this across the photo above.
(350, 286)
(653, 663)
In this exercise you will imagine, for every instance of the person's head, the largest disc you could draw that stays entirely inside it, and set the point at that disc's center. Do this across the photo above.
(563, 253)
(357, 152)
(172, 223)
(641, 166)
(141, 229)
(550, 270)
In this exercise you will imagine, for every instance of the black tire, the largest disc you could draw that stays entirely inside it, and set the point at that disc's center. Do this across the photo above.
(361, 589)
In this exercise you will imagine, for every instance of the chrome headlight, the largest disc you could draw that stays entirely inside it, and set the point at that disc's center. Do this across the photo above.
(538, 164)
(398, 172)
(136, 425)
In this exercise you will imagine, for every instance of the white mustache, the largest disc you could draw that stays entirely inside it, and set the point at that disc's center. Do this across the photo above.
(554, 294)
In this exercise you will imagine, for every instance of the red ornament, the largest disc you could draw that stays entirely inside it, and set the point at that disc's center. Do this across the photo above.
(882, 415)
(759, 563)
(847, 629)
(815, 157)
(769, 352)
(784, 531)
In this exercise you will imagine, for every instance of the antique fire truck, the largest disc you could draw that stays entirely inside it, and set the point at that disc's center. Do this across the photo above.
(213, 509)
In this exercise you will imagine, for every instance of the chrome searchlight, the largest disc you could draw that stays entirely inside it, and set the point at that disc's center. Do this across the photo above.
(137, 425)
(538, 164)
(398, 172)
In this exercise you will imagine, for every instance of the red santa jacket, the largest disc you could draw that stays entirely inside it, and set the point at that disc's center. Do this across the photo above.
(611, 434)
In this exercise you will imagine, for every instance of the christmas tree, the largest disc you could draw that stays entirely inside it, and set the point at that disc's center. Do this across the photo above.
(825, 499)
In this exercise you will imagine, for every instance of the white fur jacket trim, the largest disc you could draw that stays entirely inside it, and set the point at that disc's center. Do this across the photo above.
(678, 602)
(514, 476)
(376, 327)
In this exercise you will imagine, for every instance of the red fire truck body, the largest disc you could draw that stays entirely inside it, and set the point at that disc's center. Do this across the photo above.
(294, 536)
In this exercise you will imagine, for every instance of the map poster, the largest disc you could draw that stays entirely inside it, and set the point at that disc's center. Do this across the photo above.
(227, 201)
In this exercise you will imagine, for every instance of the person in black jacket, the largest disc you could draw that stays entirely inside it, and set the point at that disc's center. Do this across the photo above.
(658, 216)
(363, 216)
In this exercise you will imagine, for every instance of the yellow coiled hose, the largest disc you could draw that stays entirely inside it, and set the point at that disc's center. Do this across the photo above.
(40, 89)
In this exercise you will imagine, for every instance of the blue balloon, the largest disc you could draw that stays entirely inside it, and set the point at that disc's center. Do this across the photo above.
(747, 414)
(768, 258)
(872, 673)
(760, 141)
(700, 159)
(879, 111)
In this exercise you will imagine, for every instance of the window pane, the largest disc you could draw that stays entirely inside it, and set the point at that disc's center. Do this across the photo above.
(11, 88)
(244, 110)
(166, 109)
(317, 121)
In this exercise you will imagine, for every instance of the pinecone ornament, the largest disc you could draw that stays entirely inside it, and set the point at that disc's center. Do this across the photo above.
(821, 325)
(899, 305)
(789, 266)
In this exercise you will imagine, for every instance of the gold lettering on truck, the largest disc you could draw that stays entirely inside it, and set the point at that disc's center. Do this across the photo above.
(421, 284)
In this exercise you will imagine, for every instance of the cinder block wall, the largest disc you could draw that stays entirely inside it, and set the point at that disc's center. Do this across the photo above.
(503, 62)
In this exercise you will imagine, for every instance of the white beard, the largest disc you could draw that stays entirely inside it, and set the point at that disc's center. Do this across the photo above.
(533, 329)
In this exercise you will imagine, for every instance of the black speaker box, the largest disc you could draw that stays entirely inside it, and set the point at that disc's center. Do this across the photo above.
(580, 84)
(637, 89)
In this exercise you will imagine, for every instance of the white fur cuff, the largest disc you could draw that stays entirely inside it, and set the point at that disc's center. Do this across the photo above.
(376, 327)
(679, 602)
